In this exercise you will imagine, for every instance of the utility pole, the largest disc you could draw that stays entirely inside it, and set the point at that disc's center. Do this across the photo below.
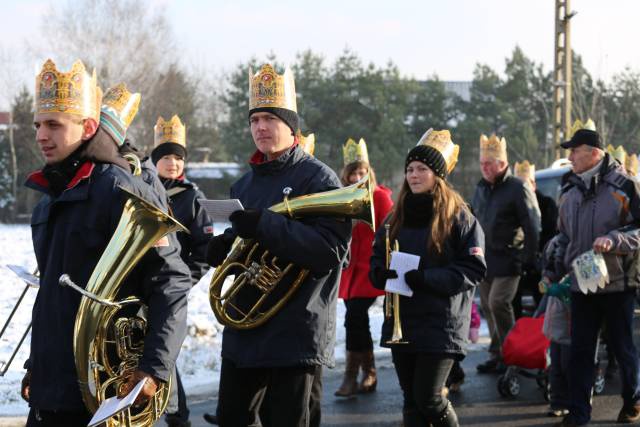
(562, 75)
(14, 170)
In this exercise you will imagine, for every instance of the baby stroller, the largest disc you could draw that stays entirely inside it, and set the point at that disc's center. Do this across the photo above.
(525, 352)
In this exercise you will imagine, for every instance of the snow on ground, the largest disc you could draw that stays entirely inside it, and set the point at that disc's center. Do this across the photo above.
(199, 360)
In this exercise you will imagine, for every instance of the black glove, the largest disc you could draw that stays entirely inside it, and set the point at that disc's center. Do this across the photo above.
(245, 222)
(217, 249)
(379, 277)
(414, 279)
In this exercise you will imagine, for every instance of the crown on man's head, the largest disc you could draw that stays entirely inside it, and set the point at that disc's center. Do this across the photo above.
(525, 170)
(493, 147)
(632, 164)
(618, 153)
(307, 143)
(270, 89)
(119, 108)
(441, 141)
(74, 92)
(170, 131)
(355, 152)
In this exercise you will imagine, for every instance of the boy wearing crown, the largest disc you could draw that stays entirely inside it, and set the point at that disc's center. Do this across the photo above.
(508, 212)
(72, 224)
(280, 358)
(599, 210)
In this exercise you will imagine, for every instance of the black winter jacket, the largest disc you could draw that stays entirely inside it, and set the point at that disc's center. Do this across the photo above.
(303, 331)
(510, 218)
(70, 231)
(183, 200)
(436, 318)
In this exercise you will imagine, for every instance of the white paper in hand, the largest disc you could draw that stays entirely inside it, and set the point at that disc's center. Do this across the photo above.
(29, 279)
(113, 406)
(401, 262)
(219, 210)
(591, 272)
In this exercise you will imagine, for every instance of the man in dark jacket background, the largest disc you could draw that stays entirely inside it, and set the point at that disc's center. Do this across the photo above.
(280, 359)
(508, 212)
(71, 226)
(599, 210)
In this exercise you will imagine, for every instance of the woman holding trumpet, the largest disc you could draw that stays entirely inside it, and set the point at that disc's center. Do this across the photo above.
(431, 220)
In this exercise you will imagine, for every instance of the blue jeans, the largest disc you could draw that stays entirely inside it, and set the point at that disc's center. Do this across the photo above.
(587, 315)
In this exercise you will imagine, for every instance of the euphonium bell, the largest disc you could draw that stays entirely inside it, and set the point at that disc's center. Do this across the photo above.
(109, 334)
(255, 269)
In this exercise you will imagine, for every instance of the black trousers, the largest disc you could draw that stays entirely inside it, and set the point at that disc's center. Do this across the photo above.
(422, 377)
(281, 396)
(177, 408)
(38, 418)
(356, 323)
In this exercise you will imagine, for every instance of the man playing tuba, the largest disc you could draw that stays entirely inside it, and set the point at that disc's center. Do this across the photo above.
(72, 224)
(280, 358)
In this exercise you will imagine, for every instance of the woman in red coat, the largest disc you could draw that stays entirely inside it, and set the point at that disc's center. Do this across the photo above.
(355, 288)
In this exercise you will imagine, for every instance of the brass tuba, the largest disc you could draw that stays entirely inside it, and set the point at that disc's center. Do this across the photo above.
(254, 267)
(108, 336)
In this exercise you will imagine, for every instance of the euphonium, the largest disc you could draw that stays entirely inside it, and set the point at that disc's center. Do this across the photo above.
(255, 268)
(108, 335)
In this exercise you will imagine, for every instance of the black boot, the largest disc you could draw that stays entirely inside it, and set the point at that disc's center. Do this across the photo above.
(448, 418)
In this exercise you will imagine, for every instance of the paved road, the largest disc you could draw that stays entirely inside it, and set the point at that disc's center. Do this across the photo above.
(478, 404)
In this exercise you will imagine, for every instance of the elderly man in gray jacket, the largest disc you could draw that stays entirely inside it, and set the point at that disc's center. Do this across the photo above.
(599, 210)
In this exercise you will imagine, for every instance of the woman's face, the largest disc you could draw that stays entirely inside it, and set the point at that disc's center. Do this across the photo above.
(420, 178)
(170, 166)
(357, 175)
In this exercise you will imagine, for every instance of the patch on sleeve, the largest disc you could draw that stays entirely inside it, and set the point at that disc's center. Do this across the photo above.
(162, 243)
(207, 229)
(476, 251)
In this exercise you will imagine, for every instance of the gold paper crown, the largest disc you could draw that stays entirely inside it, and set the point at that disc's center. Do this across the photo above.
(170, 131)
(123, 103)
(270, 89)
(307, 143)
(577, 125)
(352, 152)
(441, 141)
(493, 147)
(75, 92)
(525, 170)
(632, 165)
(618, 153)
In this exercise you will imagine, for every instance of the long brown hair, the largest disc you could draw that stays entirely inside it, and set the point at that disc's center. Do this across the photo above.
(354, 166)
(447, 205)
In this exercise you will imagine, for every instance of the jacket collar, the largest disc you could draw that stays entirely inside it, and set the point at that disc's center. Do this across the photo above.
(290, 157)
(37, 181)
(606, 168)
(499, 180)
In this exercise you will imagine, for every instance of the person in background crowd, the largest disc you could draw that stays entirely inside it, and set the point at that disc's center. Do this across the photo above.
(508, 212)
(431, 220)
(355, 287)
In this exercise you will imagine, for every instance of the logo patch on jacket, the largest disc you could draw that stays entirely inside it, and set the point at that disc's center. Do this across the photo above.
(207, 229)
(476, 251)
(162, 243)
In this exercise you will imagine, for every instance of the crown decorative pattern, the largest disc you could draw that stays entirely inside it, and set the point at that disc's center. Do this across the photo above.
(355, 152)
(618, 153)
(441, 141)
(123, 103)
(170, 131)
(74, 92)
(307, 143)
(525, 170)
(578, 125)
(270, 89)
(493, 147)
(632, 164)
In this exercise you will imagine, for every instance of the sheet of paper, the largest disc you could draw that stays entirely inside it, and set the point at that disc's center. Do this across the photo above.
(113, 406)
(21, 272)
(219, 210)
(401, 262)
(591, 272)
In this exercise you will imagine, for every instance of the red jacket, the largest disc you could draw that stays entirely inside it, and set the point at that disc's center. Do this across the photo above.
(354, 282)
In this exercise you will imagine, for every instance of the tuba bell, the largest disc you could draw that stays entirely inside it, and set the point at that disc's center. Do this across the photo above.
(255, 269)
(108, 335)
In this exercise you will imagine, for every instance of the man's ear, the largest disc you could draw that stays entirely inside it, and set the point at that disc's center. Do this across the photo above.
(89, 128)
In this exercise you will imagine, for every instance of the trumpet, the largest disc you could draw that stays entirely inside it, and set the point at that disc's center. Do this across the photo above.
(392, 300)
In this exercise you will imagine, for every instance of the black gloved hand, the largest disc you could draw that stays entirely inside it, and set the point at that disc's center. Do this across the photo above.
(217, 249)
(414, 279)
(380, 276)
(245, 222)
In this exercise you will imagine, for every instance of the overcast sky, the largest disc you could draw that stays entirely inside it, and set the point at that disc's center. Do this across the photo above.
(422, 37)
